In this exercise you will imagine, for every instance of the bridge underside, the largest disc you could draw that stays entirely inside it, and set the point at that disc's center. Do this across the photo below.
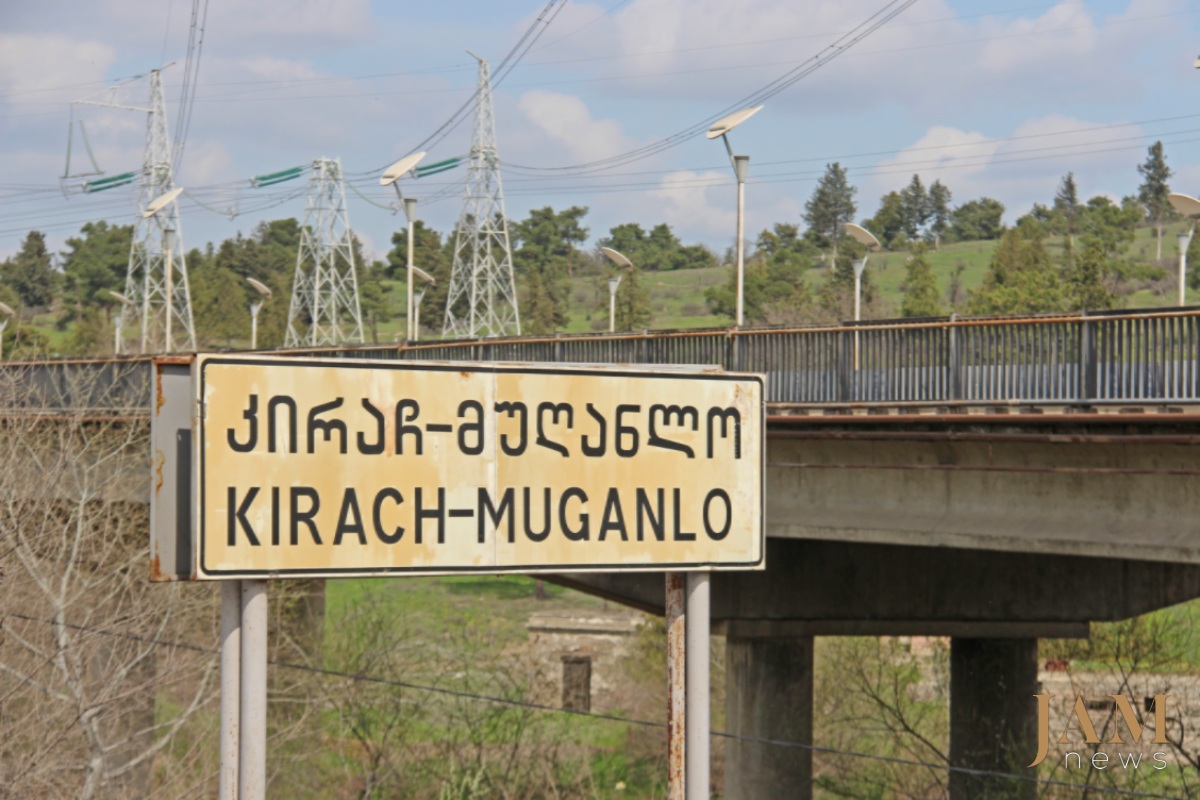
(992, 533)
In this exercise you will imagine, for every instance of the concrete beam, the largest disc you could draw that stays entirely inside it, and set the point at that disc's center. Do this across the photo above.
(832, 588)
(1110, 500)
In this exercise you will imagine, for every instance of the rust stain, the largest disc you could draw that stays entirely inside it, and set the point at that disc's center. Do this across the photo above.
(159, 461)
(156, 573)
(676, 686)
(159, 399)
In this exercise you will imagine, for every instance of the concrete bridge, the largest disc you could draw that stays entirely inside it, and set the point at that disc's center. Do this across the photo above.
(989, 480)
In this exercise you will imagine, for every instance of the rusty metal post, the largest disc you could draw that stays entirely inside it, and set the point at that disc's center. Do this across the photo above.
(252, 763)
(697, 690)
(676, 671)
(231, 665)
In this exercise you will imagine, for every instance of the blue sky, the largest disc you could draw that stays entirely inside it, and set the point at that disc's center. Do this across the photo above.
(993, 97)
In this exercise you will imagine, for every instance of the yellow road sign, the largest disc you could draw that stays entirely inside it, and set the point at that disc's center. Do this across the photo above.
(341, 467)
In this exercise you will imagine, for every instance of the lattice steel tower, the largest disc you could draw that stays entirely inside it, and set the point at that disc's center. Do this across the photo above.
(157, 281)
(482, 299)
(325, 307)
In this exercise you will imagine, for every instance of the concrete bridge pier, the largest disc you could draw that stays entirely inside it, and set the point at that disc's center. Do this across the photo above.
(768, 695)
(993, 717)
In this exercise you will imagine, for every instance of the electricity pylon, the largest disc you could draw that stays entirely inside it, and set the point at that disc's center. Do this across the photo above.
(325, 308)
(482, 299)
(157, 280)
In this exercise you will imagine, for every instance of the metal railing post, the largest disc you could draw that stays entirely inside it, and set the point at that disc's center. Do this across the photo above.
(1088, 367)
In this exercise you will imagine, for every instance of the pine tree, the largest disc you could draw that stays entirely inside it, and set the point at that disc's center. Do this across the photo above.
(916, 207)
(30, 272)
(1067, 207)
(1087, 284)
(1154, 190)
(939, 212)
(921, 297)
(633, 302)
(830, 208)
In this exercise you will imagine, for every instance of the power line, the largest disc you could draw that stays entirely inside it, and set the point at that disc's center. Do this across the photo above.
(399, 684)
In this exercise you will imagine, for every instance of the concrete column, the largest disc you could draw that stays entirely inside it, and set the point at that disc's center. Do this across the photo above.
(768, 695)
(993, 717)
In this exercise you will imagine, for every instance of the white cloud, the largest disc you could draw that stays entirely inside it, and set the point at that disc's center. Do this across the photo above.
(35, 62)
(685, 202)
(1019, 168)
(565, 119)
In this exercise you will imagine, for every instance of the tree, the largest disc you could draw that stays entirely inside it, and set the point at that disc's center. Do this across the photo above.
(30, 272)
(774, 288)
(660, 249)
(543, 258)
(1021, 279)
(220, 305)
(921, 296)
(1067, 208)
(1154, 190)
(90, 702)
(633, 302)
(939, 212)
(977, 219)
(830, 208)
(889, 223)
(916, 207)
(432, 256)
(1087, 279)
(96, 263)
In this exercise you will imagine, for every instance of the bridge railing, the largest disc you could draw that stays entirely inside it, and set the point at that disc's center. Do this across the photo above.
(1093, 357)
(1085, 358)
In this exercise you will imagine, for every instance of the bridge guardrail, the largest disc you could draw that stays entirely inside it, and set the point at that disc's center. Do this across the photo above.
(1084, 358)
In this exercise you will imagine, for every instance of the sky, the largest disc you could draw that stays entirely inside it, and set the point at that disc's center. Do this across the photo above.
(997, 98)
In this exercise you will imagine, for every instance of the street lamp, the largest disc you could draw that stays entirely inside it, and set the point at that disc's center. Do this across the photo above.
(740, 164)
(390, 177)
(865, 237)
(152, 208)
(126, 304)
(417, 308)
(264, 293)
(621, 261)
(1189, 208)
(7, 312)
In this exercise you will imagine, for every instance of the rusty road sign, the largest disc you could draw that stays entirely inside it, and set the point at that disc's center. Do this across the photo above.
(327, 467)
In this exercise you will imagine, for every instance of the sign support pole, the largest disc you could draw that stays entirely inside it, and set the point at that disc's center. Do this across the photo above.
(698, 624)
(231, 666)
(676, 682)
(252, 767)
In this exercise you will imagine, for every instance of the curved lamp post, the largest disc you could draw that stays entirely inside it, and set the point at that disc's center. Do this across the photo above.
(126, 305)
(613, 283)
(1189, 208)
(264, 294)
(863, 236)
(741, 164)
(6, 312)
(417, 308)
(390, 177)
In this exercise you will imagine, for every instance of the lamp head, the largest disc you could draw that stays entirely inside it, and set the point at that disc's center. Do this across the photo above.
(863, 236)
(1186, 205)
(730, 121)
(260, 287)
(617, 258)
(162, 201)
(401, 168)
